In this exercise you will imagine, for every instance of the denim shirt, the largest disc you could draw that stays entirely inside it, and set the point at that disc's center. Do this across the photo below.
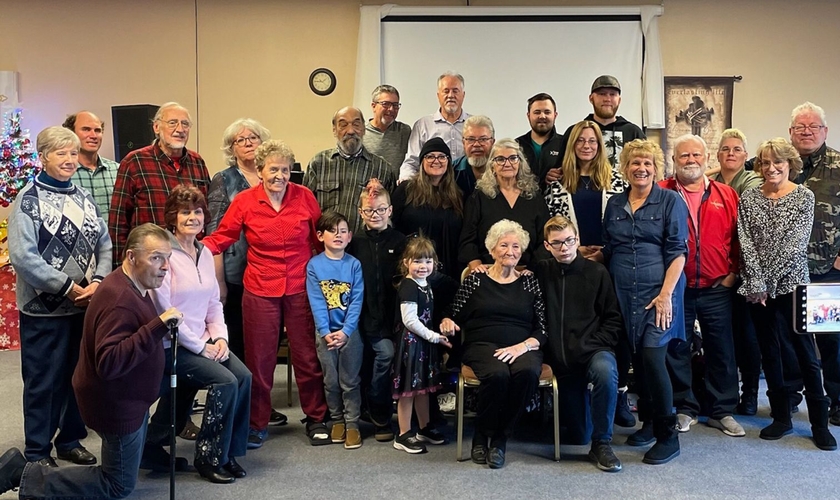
(638, 247)
(223, 188)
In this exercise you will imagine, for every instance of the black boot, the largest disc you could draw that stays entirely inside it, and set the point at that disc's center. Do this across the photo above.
(643, 436)
(623, 416)
(749, 395)
(780, 410)
(667, 445)
(818, 416)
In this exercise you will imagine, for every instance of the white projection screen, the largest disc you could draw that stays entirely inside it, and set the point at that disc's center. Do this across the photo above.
(507, 59)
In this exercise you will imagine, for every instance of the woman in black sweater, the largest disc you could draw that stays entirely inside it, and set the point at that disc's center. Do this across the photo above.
(502, 317)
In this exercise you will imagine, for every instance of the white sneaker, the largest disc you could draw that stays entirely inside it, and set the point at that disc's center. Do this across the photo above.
(684, 422)
(728, 425)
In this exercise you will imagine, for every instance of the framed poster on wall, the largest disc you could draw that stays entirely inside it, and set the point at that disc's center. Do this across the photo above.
(697, 105)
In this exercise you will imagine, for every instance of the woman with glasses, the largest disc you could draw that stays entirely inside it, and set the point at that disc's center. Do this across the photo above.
(507, 190)
(774, 226)
(278, 219)
(432, 204)
(588, 182)
(239, 145)
(645, 233)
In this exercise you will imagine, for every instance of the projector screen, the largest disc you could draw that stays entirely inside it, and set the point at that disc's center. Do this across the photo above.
(507, 59)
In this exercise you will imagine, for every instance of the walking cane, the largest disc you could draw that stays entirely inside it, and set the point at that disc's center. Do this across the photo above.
(173, 384)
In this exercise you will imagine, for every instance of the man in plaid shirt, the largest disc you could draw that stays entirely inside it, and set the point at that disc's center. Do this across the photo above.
(95, 173)
(147, 175)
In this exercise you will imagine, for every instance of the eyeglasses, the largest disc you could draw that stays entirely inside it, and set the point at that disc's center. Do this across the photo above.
(814, 129)
(185, 124)
(435, 158)
(736, 149)
(479, 140)
(367, 212)
(587, 142)
(500, 160)
(557, 245)
(777, 162)
(252, 139)
(388, 104)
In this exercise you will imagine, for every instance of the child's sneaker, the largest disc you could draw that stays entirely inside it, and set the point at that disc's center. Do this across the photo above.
(256, 438)
(353, 439)
(338, 433)
(430, 435)
(409, 444)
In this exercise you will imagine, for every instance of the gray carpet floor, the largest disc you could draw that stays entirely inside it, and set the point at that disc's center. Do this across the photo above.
(711, 465)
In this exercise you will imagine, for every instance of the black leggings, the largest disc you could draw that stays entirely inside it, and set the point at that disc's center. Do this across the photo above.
(656, 396)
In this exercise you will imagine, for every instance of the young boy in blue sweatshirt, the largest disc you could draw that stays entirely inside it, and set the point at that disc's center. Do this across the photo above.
(335, 288)
(379, 248)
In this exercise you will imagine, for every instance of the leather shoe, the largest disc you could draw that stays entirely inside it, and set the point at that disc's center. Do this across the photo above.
(78, 455)
(496, 458)
(47, 462)
(479, 454)
(235, 469)
(216, 475)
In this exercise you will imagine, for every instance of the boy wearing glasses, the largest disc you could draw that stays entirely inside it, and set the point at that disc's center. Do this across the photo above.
(583, 323)
(378, 247)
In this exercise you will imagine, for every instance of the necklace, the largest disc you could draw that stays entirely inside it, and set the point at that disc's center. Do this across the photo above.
(587, 181)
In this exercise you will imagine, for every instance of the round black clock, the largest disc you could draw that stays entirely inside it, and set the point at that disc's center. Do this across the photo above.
(322, 81)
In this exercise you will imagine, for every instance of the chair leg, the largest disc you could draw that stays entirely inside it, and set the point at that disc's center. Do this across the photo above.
(555, 393)
(459, 431)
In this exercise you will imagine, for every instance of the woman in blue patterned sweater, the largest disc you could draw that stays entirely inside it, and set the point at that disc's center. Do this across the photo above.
(60, 249)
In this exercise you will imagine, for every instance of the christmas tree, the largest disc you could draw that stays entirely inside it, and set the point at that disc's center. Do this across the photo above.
(18, 159)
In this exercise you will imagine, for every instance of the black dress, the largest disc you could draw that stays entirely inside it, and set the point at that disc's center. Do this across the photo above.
(441, 225)
(482, 212)
(417, 363)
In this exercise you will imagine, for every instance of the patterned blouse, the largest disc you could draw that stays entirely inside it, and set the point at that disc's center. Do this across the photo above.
(774, 238)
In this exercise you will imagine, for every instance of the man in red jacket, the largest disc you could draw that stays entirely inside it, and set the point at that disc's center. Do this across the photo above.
(710, 270)
(116, 380)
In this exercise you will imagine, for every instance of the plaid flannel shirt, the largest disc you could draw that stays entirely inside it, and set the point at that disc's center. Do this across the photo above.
(144, 180)
(99, 183)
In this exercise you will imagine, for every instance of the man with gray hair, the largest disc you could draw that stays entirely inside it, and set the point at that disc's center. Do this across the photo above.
(95, 173)
(820, 171)
(447, 123)
(479, 137)
(384, 135)
(337, 175)
(710, 269)
(147, 175)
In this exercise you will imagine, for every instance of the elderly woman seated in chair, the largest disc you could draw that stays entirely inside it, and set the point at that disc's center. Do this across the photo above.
(503, 321)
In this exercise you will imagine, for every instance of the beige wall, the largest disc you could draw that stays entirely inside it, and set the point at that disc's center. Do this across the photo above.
(225, 60)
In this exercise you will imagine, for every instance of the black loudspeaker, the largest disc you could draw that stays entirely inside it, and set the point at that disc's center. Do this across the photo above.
(132, 127)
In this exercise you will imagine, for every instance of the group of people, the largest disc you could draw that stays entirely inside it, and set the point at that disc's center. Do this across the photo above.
(413, 244)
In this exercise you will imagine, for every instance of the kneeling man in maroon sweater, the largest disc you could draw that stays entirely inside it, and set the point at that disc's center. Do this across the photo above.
(116, 380)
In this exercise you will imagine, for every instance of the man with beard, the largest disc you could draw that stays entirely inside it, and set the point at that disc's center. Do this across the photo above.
(147, 175)
(446, 123)
(542, 146)
(384, 135)
(710, 271)
(337, 176)
(605, 98)
(95, 173)
(479, 137)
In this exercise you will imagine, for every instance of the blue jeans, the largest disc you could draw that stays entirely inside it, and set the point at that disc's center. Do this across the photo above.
(341, 378)
(602, 373)
(49, 351)
(712, 307)
(380, 402)
(227, 408)
(115, 478)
